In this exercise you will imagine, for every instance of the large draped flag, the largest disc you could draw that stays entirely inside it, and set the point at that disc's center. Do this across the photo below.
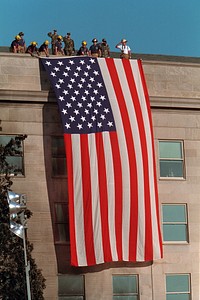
(113, 197)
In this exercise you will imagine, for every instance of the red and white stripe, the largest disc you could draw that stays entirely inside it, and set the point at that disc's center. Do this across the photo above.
(113, 198)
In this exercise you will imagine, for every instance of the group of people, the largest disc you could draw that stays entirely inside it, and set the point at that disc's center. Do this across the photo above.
(97, 49)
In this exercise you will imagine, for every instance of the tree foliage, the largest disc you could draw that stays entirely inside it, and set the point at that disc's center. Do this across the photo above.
(12, 263)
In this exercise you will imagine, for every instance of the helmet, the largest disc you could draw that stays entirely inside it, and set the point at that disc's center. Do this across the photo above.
(34, 43)
(84, 43)
(60, 37)
(94, 40)
(46, 42)
(104, 40)
(21, 33)
(18, 37)
(123, 40)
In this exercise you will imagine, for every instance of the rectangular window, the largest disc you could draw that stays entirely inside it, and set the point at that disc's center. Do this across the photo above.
(171, 159)
(61, 222)
(58, 157)
(15, 158)
(125, 287)
(178, 287)
(71, 287)
(175, 224)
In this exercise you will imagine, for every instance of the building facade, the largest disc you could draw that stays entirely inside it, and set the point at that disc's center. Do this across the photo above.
(28, 106)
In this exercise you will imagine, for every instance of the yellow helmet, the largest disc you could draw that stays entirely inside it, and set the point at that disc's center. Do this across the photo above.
(46, 42)
(18, 37)
(60, 37)
(84, 43)
(34, 43)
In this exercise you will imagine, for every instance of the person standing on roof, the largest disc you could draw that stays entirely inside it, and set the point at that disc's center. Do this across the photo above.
(105, 49)
(83, 50)
(125, 49)
(14, 47)
(53, 37)
(58, 48)
(22, 44)
(44, 49)
(69, 48)
(94, 49)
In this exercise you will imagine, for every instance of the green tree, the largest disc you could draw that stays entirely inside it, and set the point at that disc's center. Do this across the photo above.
(12, 264)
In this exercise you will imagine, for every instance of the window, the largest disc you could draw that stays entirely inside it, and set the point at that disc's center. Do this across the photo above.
(178, 287)
(58, 157)
(61, 222)
(171, 159)
(15, 158)
(71, 287)
(175, 225)
(125, 287)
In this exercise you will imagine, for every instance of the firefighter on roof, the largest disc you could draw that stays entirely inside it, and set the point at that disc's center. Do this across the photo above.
(69, 48)
(95, 50)
(83, 50)
(44, 49)
(125, 49)
(14, 47)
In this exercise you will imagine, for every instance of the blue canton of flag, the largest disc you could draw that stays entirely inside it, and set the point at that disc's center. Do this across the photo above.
(81, 95)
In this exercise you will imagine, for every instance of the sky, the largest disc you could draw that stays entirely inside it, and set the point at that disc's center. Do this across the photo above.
(166, 27)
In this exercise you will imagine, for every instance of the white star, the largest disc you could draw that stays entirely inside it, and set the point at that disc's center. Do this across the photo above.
(82, 80)
(80, 85)
(89, 86)
(83, 98)
(102, 117)
(92, 99)
(64, 111)
(76, 111)
(68, 105)
(99, 124)
(83, 119)
(79, 104)
(68, 68)
(76, 92)
(99, 84)
(110, 124)
(86, 92)
(86, 74)
(86, 111)
(67, 125)
(106, 110)
(96, 73)
(65, 92)
(99, 104)
(53, 74)
(78, 69)
(60, 63)
(69, 86)
(61, 98)
(95, 92)
(73, 98)
(72, 80)
(76, 74)
(57, 86)
(65, 74)
(71, 62)
(102, 97)
(91, 79)
(48, 63)
(80, 126)
(88, 67)
(96, 111)
(61, 80)
(72, 119)
(82, 62)
(56, 69)
(92, 60)
(89, 125)
(93, 118)
(89, 105)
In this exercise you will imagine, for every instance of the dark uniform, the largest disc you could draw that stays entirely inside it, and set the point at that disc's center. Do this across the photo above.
(105, 49)
(32, 48)
(58, 49)
(22, 44)
(83, 50)
(95, 50)
(69, 48)
(44, 49)
(14, 47)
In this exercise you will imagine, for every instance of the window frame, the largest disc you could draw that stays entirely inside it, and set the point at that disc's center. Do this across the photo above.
(64, 294)
(186, 242)
(177, 292)
(58, 222)
(22, 174)
(126, 294)
(172, 159)
(57, 156)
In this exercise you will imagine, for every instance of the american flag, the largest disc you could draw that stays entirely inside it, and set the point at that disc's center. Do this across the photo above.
(113, 197)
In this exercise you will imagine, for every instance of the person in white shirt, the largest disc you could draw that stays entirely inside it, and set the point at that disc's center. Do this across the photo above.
(125, 49)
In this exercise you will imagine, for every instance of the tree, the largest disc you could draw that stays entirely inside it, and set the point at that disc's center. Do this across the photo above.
(12, 267)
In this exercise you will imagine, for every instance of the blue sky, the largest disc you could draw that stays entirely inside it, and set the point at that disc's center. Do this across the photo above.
(168, 27)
